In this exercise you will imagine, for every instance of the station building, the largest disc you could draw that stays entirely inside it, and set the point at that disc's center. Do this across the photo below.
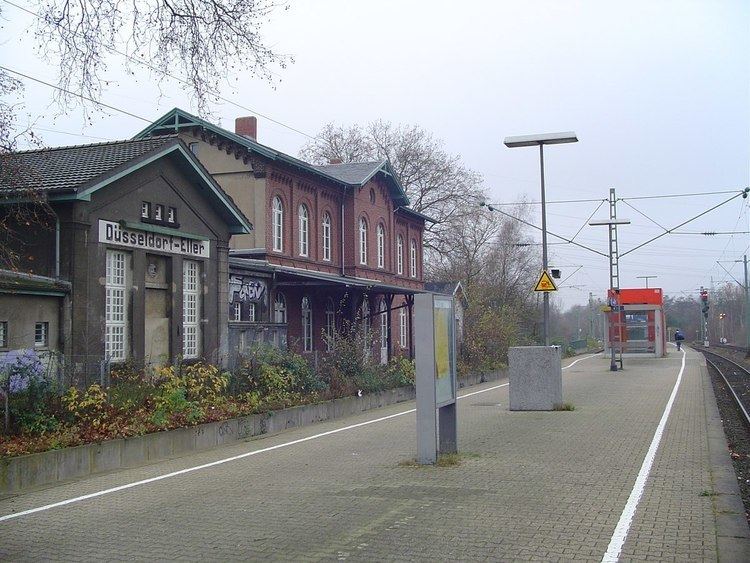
(334, 246)
(133, 263)
(637, 323)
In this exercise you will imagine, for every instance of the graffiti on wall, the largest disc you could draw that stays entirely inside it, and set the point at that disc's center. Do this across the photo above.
(245, 288)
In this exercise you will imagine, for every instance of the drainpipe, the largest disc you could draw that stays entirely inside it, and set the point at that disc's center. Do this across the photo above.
(57, 245)
(343, 272)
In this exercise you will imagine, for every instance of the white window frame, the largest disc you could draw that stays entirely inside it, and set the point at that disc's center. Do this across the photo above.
(251, 311)
(41, 334)
(381, 246)
(171, 215)
(402, 325)
(327, 236)
(158, 212)
(400, 255)
(145, 210)
(279, 308)
(304, 230)
(362, 241)
(238, 311)
(3, 334)
(192, 293)
(413, 258)
(307, 324)
(116, 331)
(277, 222)
(330, 322)
(383, 325)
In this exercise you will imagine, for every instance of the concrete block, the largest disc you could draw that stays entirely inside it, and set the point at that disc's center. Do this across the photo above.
(245, 427)
(205, 435)
(292, 417)
(37, 469)
(10, 479)
(106, 456)
(226, 433)
(134, 451)
(535, 378)
(73, 462)
(183, 441)
(158, 445)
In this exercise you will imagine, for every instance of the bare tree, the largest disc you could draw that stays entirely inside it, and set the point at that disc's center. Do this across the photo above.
(437, 183)
(196, 42)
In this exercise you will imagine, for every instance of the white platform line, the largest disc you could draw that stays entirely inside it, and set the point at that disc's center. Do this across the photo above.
(626, 518)
(236, 457)
(220, 461)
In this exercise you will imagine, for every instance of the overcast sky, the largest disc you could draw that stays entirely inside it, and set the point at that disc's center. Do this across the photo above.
(658, 93)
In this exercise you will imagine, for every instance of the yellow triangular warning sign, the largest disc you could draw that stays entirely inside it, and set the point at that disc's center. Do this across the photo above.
(545, 283)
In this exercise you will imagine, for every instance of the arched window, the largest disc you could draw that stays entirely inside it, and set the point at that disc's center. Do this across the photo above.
(383, 313)
(400, 255)
(362, 240)
(327, 236)
(403, 330)
(413, 258)
(304, 224)
(330, 322)
(279, 308)
(277, 230)
(307, 324)
(381, 246)
(365, 315)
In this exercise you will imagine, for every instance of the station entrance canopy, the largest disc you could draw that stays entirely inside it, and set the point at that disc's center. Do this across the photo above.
(636, 323)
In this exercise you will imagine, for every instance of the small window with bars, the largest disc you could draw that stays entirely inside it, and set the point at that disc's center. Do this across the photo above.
(191, 309)
(116, 302)
(3, 334)
(41, 335)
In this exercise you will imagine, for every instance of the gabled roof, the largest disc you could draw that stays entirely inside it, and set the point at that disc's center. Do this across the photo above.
(346, 175)
(66, 168)
(76, 172)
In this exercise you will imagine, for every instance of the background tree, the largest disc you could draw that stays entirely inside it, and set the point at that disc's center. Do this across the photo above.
(437, 183)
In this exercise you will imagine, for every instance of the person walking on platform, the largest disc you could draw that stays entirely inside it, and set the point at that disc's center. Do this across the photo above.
(678, 338)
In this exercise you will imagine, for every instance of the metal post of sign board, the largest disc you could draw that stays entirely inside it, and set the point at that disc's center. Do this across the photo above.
(435, 354)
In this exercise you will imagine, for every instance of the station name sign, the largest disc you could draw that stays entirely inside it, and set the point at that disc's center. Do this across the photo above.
(114, 233)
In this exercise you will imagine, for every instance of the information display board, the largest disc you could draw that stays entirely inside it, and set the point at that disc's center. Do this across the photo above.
(445, 354)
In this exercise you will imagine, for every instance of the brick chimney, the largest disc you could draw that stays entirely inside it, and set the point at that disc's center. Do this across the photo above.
(335, 161)
(247, 127)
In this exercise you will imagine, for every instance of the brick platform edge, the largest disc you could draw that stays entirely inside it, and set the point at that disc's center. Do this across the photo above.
(47, 468)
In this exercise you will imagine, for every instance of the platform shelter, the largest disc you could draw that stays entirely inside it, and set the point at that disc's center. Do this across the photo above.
(636, 323)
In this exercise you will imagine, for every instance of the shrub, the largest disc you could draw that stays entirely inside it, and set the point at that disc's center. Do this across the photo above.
(274, 375)
(90, 407)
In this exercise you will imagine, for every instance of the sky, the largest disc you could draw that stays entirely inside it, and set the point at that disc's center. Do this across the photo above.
(658, 93)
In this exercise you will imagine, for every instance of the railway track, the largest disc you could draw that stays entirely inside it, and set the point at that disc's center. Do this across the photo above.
(736, 377)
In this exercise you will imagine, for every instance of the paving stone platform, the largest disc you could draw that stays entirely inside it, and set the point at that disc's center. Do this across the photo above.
(531, 486)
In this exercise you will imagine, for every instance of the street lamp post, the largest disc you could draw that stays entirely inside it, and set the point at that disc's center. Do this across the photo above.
(613, 274)
(541, 140)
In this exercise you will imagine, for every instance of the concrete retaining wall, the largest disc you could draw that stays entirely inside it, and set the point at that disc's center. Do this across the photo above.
(35, 470)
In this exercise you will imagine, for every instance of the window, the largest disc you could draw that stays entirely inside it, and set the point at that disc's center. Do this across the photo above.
(413, 258)
(307, 326)
(172, 215)
(238, 311)
(381, 246)
(402, 327)
(116, 306)
(372, 196)
(3, 334)
(330, 322)
(303, 230)
(191, 309)
(366, 324)
(400, 255)
(383, 330)
(327, 237)
(145, 210)
(41, 335)
(159, 212)
(193, 148)
(278, 224)
(362, 241)
(251, 312)
(279, 309)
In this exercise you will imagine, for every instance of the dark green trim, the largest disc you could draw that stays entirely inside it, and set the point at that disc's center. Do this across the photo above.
(161, 230)
(32, 292)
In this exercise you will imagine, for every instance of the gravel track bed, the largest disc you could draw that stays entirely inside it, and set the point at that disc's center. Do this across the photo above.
(735, 426)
